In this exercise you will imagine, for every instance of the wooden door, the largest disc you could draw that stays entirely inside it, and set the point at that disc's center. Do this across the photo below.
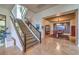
(47, 29)
(72, 30)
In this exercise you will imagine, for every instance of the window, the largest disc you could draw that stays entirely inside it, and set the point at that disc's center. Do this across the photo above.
(2, 28)
(2, 23)
(19, 11)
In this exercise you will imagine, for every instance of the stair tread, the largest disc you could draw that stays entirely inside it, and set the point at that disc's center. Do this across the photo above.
(29, 35)
(32, 44)
(29, 38)
(30, 41)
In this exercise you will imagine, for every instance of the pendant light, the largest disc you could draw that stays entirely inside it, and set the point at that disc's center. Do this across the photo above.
(58, 22)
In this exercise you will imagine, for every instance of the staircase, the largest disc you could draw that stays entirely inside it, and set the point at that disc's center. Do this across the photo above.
(28, 35)
(30, 39)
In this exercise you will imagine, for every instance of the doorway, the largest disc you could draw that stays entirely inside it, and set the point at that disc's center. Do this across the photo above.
(63, 26)
(47, 29)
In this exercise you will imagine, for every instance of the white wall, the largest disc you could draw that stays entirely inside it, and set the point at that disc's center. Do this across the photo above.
(55, 10)
(10, 27)
(31, 16)
(14, 11)
(13, 30)
(15, 36)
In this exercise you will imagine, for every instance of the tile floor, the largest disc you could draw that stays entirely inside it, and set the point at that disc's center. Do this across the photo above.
(49, 46)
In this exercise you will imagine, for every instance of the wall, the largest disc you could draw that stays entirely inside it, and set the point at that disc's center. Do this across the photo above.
(45, 22)
(14, 11)
(31, 16)
(55, 10)
(6, 13)
(15, 36)
(10, 27)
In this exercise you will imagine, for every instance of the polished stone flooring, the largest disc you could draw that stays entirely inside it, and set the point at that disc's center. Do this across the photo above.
(49, 46)
(10, 51)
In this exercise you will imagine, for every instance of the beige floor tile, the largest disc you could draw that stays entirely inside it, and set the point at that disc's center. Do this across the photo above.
(49, 46)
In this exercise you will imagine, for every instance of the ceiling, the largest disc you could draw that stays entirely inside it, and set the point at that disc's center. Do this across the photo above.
(33, 7)
(7, 6)
(62, 18)
(60, 14)
(38, 7)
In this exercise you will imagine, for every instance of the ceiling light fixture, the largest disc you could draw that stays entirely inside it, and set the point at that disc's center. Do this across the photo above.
(58, 22)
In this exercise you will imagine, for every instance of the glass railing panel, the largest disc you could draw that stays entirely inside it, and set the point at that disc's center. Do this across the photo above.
(19, 30)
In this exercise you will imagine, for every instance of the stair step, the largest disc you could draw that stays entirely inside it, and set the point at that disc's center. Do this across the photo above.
(29, 38)
(29, 35)
(30, 41)
(31, 44)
